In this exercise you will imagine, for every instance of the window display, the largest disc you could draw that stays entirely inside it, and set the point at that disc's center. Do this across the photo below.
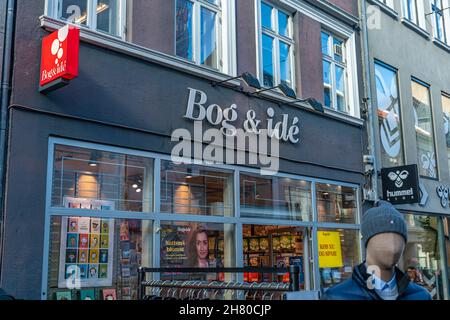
(273, 246)
(196, 190)
(338, 255)
(92, 175)
(275, 197)
(336, 203)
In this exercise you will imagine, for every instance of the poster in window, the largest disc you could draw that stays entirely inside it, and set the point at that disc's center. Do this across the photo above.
(86, 247)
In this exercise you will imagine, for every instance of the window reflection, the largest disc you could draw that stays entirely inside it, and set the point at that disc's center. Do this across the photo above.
(336, 203)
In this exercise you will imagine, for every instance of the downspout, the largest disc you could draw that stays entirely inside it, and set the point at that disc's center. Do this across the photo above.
(4, 98)
(368, 104)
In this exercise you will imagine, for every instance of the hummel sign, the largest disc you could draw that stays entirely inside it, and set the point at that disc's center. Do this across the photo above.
(400, 184)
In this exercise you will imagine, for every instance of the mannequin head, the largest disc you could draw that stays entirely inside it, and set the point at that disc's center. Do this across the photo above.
(384, 250)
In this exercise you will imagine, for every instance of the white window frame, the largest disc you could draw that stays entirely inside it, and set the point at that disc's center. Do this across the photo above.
(419, 17)
(334, 63)
(52, 10)
(276, 44)
(225, 34)
(445, 30)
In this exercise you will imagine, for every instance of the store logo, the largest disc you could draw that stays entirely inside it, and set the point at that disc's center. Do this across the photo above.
(443, 193)
(390, 135)
(398, 177)
(59, 57)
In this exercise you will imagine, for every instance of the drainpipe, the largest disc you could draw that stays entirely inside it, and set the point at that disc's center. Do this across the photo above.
(4, 98)
(373, 162)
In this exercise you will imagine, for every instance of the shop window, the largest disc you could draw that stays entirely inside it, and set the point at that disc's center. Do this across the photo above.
(275, 198)
(446, 112)
(196, 245)
(336, 204)
(196, 190)
(334, 72)
(423, 124)
(339, 253)
(97, 258)
(275, 246)
(389, 119)
(276, 48)
(422, 258)
(101, 15)
(100, 180)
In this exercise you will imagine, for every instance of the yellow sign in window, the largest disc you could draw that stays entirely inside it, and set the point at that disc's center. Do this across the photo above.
(330, 251)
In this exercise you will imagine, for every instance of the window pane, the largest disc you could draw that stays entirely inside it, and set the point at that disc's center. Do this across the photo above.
(274, 246)
(108, 16)
(274, 197)
(285, 66)
(191, 244)
(424, 130)
(389, 116)
(421, 258)
(336, 203)
(73, 10)
(327, 83)
(338, 50)
(100, 257)
(266, 16)
(325, 43)
(340, 89)
(99, 180)
(335, 268)
(184, 34)
(267, 60)
(197, 190)
(209, 50)
(446, 111)
(283, 24)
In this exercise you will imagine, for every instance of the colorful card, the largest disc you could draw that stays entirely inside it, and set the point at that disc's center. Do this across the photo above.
(83, 225)
(71, 256)
(104, 256)
(95, 241)
(105, 226)
(72, 240)
(104, 241)
(93, 271)
(87, 294)
(83, 241)
(63, 295)
(73, 225)
(109, 294)
(93, 256)
(95, 225)
(103, 271)
(83, 271)
(83, 256)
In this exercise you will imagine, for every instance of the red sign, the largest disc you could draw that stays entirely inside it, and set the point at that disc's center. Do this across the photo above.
(59, 58)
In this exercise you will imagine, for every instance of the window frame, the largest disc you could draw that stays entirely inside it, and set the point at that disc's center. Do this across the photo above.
(52, 9)
(419, 12)
(440, 20)
(277, 38)
(333, 64)
(225, 34)
(156, 216)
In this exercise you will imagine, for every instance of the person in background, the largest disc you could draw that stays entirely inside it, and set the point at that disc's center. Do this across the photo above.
(385, 235)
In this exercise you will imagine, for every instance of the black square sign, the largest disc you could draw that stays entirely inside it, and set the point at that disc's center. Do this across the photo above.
(400, 184)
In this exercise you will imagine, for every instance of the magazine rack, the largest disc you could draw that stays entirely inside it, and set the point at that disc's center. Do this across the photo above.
(193, 289)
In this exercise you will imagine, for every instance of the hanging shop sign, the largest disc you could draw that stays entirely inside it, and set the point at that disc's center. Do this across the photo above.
(281, 127)
(330, 250)
(400, 184)
(59, 58)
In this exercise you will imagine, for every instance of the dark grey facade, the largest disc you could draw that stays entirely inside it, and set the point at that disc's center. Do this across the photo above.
(121, 99)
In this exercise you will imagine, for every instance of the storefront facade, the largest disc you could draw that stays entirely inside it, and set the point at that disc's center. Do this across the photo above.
(92, 190)
(410, 103)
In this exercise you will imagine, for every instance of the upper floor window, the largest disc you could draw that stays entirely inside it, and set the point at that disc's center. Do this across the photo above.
(389, 3)
(203, 33)
(412, 10)
(102, 15)
(334, 72)
(276, 47)
(437, 8)
(446, 110)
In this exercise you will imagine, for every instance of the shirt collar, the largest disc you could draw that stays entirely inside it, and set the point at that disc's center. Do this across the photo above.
(383, 285)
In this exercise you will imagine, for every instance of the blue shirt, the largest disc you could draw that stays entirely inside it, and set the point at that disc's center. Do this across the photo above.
(386, 290)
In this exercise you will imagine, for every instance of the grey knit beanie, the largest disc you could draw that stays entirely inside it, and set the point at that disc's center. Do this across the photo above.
(383, 218)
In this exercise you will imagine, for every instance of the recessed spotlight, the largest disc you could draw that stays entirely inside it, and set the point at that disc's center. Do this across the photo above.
(135, 186)
(138, 190)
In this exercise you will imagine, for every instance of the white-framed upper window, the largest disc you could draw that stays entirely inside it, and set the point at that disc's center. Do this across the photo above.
(204, 33)
(440, 20)
(389, 3)
(276, 46)
(107, 16)
(334, 72)
(414, 11)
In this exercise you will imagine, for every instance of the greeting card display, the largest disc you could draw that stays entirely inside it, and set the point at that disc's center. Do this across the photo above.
(109, 294)
(86, 248)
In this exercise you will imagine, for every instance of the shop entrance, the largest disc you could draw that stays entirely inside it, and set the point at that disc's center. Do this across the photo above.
(275, 246)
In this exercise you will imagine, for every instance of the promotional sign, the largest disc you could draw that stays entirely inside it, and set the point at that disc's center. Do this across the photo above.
(59, 57)
(400, 184)
(330, 251)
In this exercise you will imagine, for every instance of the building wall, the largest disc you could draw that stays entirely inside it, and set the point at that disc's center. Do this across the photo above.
(413, 55)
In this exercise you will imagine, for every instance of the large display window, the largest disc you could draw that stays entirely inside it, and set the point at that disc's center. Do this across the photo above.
(111, 210)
